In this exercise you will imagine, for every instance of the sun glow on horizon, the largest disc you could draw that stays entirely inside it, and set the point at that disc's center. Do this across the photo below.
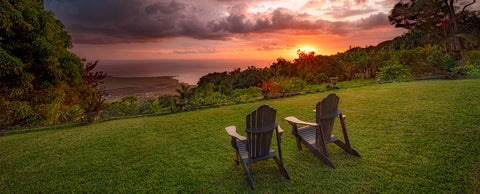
(307, 49)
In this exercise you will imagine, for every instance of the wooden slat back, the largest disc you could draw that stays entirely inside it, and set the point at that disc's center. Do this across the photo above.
(325, 107)
(260, 125)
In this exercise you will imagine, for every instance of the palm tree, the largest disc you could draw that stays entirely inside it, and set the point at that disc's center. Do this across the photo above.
(184, 91)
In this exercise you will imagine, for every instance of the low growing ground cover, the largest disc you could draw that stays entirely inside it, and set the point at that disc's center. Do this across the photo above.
(413, 137)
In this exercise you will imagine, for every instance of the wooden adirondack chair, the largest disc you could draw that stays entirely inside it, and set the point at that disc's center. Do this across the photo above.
(319, 134)
(256, 146)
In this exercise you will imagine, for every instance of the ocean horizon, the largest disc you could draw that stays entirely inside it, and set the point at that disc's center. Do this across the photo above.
(184, 70)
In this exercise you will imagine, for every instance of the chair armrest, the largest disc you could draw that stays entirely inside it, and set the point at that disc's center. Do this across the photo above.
(232, 131)
(280, 130)
(293, 120)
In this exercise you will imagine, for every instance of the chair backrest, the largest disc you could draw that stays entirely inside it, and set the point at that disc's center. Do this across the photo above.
(326, 111)
(260, 125)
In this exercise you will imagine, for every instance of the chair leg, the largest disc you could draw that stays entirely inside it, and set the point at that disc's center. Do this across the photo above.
(234, 145)
(297, 137)
(249, 174)
(346, 146)
(281, 167)
(319, 154)
(321, 140)
(238, 156)
(347, 149)
(344, 131)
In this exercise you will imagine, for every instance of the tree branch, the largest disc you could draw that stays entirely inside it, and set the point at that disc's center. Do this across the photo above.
(467, 6)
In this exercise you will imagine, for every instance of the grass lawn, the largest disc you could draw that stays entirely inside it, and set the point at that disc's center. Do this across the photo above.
(413, 137)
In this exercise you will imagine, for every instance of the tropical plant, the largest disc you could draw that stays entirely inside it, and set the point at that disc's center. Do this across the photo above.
(183, 91)
(268, 86)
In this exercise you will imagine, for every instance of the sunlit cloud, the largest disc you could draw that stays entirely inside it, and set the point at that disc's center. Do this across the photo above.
(203, 50)
(230, 24)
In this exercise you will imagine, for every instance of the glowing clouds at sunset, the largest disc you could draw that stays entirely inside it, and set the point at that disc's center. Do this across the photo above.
(220, 28)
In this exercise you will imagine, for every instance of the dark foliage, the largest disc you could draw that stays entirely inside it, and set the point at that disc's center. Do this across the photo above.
(40, 80)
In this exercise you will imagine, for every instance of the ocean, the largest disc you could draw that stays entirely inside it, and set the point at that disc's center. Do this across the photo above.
(187, 71)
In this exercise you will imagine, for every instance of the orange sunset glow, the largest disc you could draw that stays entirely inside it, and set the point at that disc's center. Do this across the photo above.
(221, 29)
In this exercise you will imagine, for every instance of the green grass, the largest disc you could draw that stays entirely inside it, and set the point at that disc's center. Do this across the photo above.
(413, 137)
(349, 84)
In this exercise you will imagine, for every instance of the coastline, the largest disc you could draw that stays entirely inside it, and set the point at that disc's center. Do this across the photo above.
(143, 88)
(185, 70)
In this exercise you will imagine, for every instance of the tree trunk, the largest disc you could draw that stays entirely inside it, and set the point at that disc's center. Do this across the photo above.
(456, 47)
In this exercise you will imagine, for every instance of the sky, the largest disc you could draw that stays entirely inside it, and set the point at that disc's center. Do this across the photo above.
(221, 29)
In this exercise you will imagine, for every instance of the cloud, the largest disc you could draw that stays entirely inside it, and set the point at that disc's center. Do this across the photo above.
(274, 46)
(314, 4)
(199, 51)
(373, 21)
(104, 22)
(342, 12)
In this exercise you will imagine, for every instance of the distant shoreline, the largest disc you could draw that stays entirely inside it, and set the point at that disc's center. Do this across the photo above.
(141, 87)
(187, 71)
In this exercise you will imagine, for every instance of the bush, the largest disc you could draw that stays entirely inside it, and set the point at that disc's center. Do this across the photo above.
(247, 78)
(207, 95)
(472, 58)
(288, 85)
(127, 106)
(421, 61)
(318, 78)
(434, 61)
(18, 113)
(246, 95)
(154, 106)
(394, 71)
(72, 113)
(212, 98)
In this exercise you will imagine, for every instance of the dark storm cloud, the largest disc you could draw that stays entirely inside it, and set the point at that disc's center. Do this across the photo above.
(342, 12)
(373, 21)
(111, 21)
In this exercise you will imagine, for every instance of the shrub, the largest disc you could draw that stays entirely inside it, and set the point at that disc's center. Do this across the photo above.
(246, 95)
(466, 70)
(72, 113)
(246, 78)
(394, 71)
(207, 95)
(472, 58)
(318, 78)
(127, 106)
(434, 61)
(18, 113)
(154, 106)
(288, 85)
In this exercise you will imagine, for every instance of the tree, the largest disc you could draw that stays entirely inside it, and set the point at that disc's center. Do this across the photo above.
(283, 67)
(305, 63)
(184, 91)
(439, 18)
(40, 80)
(359, 61)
